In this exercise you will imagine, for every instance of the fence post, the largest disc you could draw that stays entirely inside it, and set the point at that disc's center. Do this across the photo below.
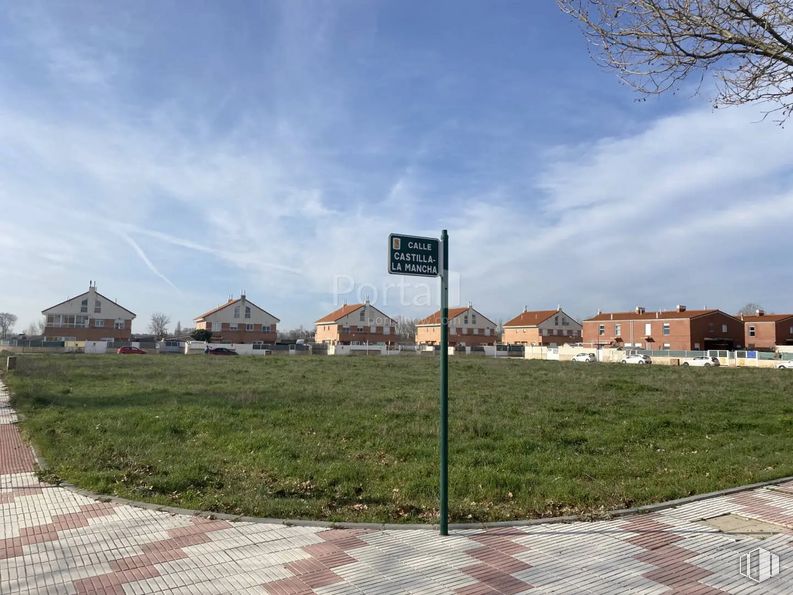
(11, 363)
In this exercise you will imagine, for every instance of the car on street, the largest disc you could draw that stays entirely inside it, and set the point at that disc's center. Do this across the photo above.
(637, 358)
(785, 364)
(128, 349)
(703, 361)
(584, 357)
(222, 351)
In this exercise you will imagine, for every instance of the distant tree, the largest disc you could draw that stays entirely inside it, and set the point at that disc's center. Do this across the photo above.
(750, 308)
(159, 324)
(655, 44)
(201, 334)
(177, 332)
(7, 322)
(40, 326)
(33, 330)
(406, 328)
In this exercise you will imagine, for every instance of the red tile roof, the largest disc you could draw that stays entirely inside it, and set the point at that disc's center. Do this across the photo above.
(341, 312)
(231, 303)
(436, 317)
(107, 299)
(766, 318)
(649, 315)
(531, 318)
(218, 309)
(453, 313)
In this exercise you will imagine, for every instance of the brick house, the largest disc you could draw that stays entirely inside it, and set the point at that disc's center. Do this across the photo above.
(765, 331)
(467, 327)
(680, 329)
(356, 324)
(239, 321)
(89, 316)
(542, 327)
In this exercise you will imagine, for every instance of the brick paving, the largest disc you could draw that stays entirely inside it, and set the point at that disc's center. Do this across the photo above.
(53, 540)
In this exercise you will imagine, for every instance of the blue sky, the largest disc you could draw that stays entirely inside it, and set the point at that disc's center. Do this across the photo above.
(178, 153)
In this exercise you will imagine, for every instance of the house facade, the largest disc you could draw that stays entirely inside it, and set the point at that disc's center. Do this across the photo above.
(542, 327)
(89, 316)
(467, 327)
(680, 330)
(356, 324)
(239, 321)
(766, 331)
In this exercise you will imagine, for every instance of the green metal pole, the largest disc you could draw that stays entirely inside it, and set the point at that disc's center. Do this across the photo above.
(444, 425)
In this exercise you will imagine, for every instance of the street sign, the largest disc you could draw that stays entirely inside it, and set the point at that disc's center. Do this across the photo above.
(413, 255)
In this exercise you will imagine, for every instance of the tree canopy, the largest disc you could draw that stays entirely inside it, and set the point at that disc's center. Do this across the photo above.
(656, 44)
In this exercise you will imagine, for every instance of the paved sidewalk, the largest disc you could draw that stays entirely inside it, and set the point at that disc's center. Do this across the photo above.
(55, 541)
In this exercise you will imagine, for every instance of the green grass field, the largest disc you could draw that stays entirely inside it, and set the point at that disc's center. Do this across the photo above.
(356, 438)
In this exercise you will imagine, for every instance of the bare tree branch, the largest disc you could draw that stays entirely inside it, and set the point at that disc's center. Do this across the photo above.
(655, 44)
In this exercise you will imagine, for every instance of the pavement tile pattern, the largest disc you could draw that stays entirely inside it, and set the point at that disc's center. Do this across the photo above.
(53, 540)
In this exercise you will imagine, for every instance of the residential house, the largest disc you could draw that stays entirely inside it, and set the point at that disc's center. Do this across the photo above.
(356, 324)
(467, 327)
(542, 327)
(89, 316)
(766, 331)
(239, 321)
(680, 329)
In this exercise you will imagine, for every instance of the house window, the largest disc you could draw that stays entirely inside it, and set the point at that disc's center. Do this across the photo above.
(723, 328)
(248, 327)
(363, 314)
(601, 329)
(667, 346)
(556, 320)
(473, 318)
(648, 329)
(97, 307)
(476, 331)
(752, 331)
(234, 326)
(247, 311)
(265, 328)
(51, 320)
(360, 329)
(465, 319)
(84, 306)
(666, 328)
(617, 330)
(119, 325)
(99, 322)
(236, 311)
(345, 329)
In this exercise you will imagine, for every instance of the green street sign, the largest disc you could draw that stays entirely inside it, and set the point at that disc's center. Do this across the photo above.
(413, 255)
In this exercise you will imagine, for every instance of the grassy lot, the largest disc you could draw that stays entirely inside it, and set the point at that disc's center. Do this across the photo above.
(356, 438)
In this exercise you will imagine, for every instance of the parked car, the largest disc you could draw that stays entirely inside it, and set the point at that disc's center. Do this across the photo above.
(785, 364)
(130, 350)
(637, 359)
(222, 351)
(703, 360)
(584, 357)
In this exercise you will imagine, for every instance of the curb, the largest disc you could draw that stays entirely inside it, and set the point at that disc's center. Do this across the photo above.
(622, 512)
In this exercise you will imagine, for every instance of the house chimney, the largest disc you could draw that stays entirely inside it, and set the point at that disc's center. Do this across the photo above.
(525, 308)
(640, 310)
(558, 307)
(759, 312)
(681, 308)
(658, 314)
